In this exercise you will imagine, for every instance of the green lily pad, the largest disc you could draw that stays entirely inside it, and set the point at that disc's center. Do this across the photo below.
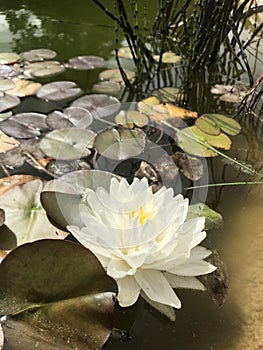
(9, 57)
(77, 117)
(212, 218)
(85, 62)
(67, 144)
(120, 144)
(168, 57)
(99, 105)
(44, 69)
(115, 75)
(38, 55)
(228, 125)
(129, 119)
(8, 102)
(58, 90)
(186, 142)
(59, 286)
(168, 94)
(106, 87)
(6, 84)
(207, 125)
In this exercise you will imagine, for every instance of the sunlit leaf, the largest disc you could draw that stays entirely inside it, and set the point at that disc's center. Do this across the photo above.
(6, 84)
(228, 125)
(42, 283)
(120, 144)
(58, 90)
(168, 94)
(38, 55)
(7, 183)
(213, 219)
(208, 125)
(98, 105)
(23, 88)
(85, 62)
(25, 215)
(130, 118)
(232, 98)
(106, 87)
(180, 112)
(5, 115)
(67, 143)
(168, 57)
(44, 69)
(147, 106)
(7, 143)
(115, 75)
(9, 57)
(7, 102)
(124, 52)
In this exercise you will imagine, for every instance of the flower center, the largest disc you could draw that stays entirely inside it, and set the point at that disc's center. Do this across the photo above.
(142, 214)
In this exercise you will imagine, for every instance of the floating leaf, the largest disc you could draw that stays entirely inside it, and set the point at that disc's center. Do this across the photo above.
(168, 57)
(207, 125)
(98, 104)
(58, 90)
(67, 143)
(7, 143)
(61, 198)
(186, 142)
(5, 115)
(191, 167)
(115, 75)
(129, 119)
(166, 167)
(213, 219)
(147, 106)
(6, 84)
(7, 102)
(168, 94)
(44, 69)
(180, 112)
(7, 183)
(42, 283)
(25, 215)
(231, 93)
(9, 57)
(70, 117)
(85, 62)
(23, 88)
(120, 144)
(124, 52)
(38, 55)
(106, 87)
(228, 125)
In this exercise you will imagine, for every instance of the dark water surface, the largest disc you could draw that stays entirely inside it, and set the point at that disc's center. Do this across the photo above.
(78, 27)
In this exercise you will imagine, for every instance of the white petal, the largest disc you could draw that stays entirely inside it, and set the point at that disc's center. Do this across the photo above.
(193, 268)
(157, 288)
(119, 268)
(129, 291)
(184, 281)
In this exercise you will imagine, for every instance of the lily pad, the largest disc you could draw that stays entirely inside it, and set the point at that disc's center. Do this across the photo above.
(213, 219)
(7, 102)
(106, 87)
(23, 88)
(85, 62)
(6, 84)
(59, 90)
(31, 119)
(208, 125)
(67, 143)
(115, 75)
(168, 57)
(120, 144)
(7, 183)
(38, 55)
(44, 69)
(43, 283)
(228, 125)
(7, 143)
(99, 105)
(125, 52)
(77, 117)
(18, 130)
(25, 215)
(9, 57)
(191, 167)
(129, 119)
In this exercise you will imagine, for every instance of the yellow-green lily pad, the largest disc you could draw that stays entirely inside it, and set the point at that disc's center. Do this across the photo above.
(9, 57)
(168, 57)
(130, 118)
(228, 125)
(115, 75)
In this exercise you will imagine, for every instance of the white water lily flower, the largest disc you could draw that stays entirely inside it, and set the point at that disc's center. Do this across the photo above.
(143, 240)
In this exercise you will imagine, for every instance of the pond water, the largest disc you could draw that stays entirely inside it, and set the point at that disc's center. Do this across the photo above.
(80, 28)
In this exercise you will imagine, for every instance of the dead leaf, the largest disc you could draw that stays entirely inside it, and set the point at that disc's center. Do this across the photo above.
(7, 183)
(24, 88)
(7, 143)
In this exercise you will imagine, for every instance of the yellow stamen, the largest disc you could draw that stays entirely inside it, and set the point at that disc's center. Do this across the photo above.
(143, 215)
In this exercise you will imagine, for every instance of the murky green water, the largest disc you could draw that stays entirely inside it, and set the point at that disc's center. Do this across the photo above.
(79, 28)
